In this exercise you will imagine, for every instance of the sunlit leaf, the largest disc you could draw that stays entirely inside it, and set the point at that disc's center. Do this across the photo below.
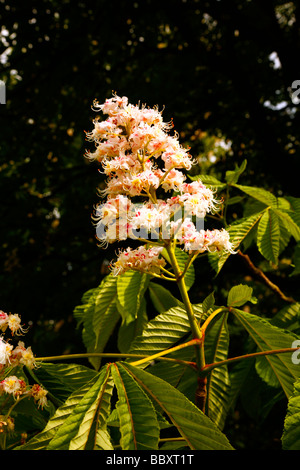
(131, 287)
(232, 176)
(88, 416)
(277, 370)
(99, 315)
(218, 384)
(268, 236)
(239, 295)
(43, 439)
(260, 194)
(196, 428)
(238, 232)
(289, 223)
(138, 422)
(288, 317)
(128, 331)
(209, 180)
(294, 209)
(63, 379)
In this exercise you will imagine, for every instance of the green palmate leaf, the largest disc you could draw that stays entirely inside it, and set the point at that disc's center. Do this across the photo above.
(234, 200)
(238, 377)
(105, 312)
(164, 331)
(289, 223)
(294, 208)
(284, 204)
(208, 302)
(173, 446)
(130, 330)
(43, 439)
(63, 379)
(85, 427)
(162, 298)
(257, 397)
(92, 433)
(276, 370)
(238, 232)
(139, 426)
(179, 375)
(198, 430)
(209, 180)
(285, 235)
(131, 288)
(84, 316)
(99, 315)
(174, 326)
(260, 194)
(291, 432)
(239, 295)
(218, 384)
(268, 236)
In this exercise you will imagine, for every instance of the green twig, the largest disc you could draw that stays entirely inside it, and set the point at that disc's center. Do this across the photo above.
(109, 355)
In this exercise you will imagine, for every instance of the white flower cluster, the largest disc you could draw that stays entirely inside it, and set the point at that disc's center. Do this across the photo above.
(15, 356)
(17, 388)
(129, 144)
(141, 159)
(141, 259)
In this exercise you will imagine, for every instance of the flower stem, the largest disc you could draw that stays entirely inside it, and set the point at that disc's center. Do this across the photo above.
(162, 276)
(211, 317)
(196, 331)
(108, 355)
(184, 294)
(167, 351)
(191, 259)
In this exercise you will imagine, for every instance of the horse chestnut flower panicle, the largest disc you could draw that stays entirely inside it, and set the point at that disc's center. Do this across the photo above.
(141, 259)
(142, 160)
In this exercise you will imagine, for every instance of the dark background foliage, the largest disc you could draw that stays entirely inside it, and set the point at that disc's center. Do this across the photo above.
(209, 63)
